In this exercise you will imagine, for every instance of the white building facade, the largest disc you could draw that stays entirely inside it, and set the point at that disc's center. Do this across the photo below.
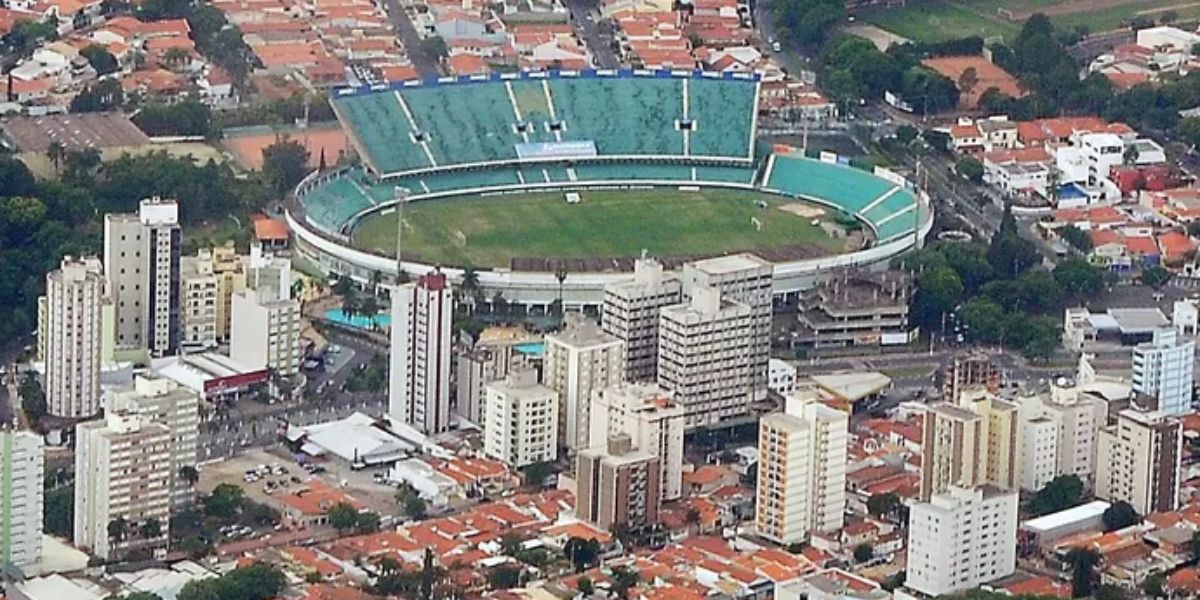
(419, 380)
(630, 313)
(122, 471)
(163, 401)
(141, 262)
(1163, 368)
(653, 421)
(580, 361)
(961, 539)
(520, 420)
(74, 331)
(802, 455)
(22, 466)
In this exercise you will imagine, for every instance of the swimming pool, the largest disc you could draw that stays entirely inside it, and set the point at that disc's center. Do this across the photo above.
(531, 348)
(379, 321)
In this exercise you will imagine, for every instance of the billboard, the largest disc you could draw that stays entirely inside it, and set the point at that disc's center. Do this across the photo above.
(536, 150)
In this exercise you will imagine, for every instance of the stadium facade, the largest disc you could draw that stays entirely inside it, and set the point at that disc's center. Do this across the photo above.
(578, 130)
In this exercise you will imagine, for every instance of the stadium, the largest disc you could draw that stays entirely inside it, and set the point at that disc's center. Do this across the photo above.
(552, 183)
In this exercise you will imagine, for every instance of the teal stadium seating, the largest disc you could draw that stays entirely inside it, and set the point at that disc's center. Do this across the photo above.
(723, 113)
(477, 122)
(725, 174)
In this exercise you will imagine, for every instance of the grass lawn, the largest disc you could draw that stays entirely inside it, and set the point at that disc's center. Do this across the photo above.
(938, 20)
(609, 223)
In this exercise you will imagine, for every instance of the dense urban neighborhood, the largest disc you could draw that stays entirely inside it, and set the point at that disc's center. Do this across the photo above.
(596, 300)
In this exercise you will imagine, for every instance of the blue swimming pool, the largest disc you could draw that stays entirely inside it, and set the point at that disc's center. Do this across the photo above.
(379, 321)
(533, 348)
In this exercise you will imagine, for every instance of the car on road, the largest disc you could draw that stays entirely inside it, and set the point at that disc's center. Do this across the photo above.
(777, 47)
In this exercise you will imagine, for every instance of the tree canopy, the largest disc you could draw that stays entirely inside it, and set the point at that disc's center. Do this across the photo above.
(1060, 493)
(1119, 516)
(255, 582)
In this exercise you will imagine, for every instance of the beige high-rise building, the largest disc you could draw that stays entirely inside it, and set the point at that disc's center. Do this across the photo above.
(71, 336)
(230, 270)
(198, 290)
(265, 321)
(971, 444)
(520, 420)
(630, 313)
(1076, 414)
(747, 279)
(580, 360)
(706, 353)
(617, 484)
(653, 421)
(1138, 461)
(141, 264)
(163, 401)
(122, 471)
(802, 455)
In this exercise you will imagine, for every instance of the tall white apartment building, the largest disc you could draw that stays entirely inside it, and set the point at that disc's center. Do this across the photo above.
(73, 331)
(122, 471)
(580, 360)
(706, 350)
(802, 455)
(141, 263)
(1075, 415)
(22, 465)
(419, 381)
(200, 300)
(1163, 369)
(163, 401)
(961, 538)
(265, 331)
(747, 279)
(653, 421)
(520, 420)
(630, 313)
(1138, 459)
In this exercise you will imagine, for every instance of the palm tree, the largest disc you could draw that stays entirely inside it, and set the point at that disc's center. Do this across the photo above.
(118, 528)
(151, 529)
(176, 56)
(376, 279)
(189, 474)
(470, 287)
(56, 152)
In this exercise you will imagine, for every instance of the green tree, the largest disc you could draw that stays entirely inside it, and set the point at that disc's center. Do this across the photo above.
(1154, 585)
(1061, 493)
(1155, 276)
(1080, 279)
(504, 577)
(1119, 516)
(255, 582)
(150, 529)
(186, 117)
(984, 319)
(434, 47)
(584, 584)
(33, 398)
(939, 290)
(970, 169)
(583, 553)
(101, 96)
(883, 505)
(58, 510)
(623, 579)
(224, 502)
(905, 134)
(1009, 253)
(141, 596)
(285, 163)
(537, 473)
(863, 553)
(1083, 571)
(189, 474)
(118, 529)
(1076, 238)
(100, 59)
(343, 517)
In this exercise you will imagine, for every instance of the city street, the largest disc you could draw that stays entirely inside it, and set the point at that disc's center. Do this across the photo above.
(599, 41)
(425, 65)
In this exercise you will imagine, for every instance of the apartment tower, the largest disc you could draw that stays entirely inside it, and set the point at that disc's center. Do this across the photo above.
(419, 384)
(630, 313)
(141, 264)
(73, 331)
(580, 360)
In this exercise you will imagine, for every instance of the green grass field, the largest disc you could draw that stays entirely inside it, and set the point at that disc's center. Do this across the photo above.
(939, 20)
(609, 223)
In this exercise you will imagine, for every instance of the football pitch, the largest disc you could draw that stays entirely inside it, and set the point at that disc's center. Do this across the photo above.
(490, 231)
(939, 20)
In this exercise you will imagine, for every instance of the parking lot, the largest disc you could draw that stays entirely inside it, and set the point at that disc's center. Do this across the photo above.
(291, 477)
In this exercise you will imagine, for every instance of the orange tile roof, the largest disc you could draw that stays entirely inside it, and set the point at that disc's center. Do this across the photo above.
(1040, 586)
(318, 499)
(270, 230)
(580, 530)
(1175, 244)
(1101, 237)
(466, 64)
(706, 475)
(964, 131)
(1141, 245)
